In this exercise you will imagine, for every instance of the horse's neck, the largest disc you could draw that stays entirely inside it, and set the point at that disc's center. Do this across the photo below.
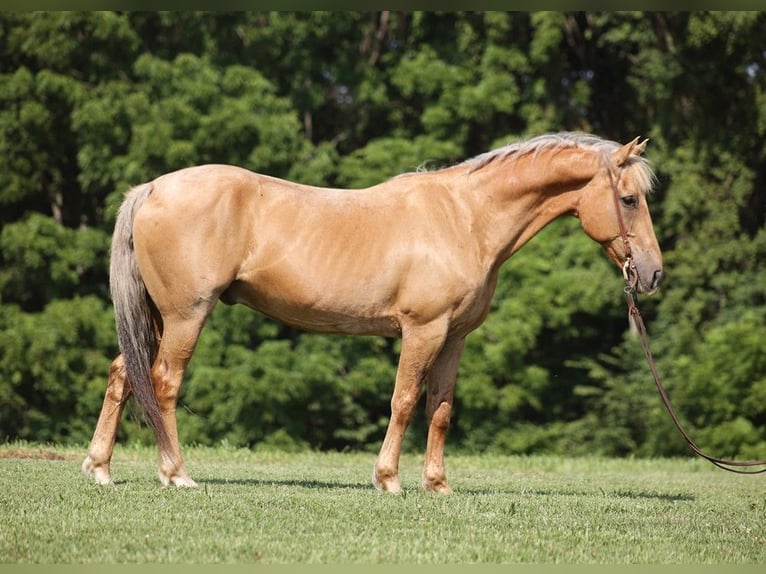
(522, 195)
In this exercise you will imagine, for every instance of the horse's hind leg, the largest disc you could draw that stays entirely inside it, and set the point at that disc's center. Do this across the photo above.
(97, 462)
(179, 337)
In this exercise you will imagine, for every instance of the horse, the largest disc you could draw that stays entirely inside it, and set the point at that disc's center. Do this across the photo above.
(416, 256)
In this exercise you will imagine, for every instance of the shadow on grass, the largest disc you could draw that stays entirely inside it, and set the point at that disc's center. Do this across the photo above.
(677, 497)
(635, 495)
(320, 484)
(287, 482)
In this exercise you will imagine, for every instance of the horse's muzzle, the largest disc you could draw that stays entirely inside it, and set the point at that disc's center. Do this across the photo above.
(652, 285)
(656, 280)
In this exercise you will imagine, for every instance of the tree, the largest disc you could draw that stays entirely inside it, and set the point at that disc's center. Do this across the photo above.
(92, 103)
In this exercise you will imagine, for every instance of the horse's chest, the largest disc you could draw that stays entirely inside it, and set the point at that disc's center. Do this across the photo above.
(472, 310)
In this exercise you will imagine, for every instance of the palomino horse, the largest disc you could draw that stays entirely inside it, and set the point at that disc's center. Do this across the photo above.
(415, 257)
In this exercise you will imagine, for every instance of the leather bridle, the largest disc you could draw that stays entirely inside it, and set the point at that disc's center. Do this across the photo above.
(630, 273)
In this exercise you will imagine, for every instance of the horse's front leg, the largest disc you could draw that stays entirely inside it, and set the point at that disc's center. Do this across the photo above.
(440, 394)
(420, 347)
(96, 464)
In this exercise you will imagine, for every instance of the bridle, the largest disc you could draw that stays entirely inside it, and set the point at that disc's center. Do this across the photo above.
(630, 274)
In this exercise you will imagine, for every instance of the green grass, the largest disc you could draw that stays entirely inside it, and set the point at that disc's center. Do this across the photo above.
(321, 508)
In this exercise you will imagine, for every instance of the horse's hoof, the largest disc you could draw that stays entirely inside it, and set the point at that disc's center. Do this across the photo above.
(389, 485)
(98, 472)
(180, 480)
(184, 482)
(440, 487)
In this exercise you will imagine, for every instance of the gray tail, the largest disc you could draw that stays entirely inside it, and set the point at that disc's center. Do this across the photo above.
(133, 315)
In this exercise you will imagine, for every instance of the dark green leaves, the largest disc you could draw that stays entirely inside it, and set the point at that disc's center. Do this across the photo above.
(94, 103)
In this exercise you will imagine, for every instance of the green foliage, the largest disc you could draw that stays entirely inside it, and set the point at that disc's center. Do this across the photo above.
(92, 103)
(36, 147)
(44, 261)
(179, 113)
(381, 158)
(249, 384)
(52, 368)
(724, 378)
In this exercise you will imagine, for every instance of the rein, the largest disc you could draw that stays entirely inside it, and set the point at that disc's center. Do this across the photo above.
(630, 274)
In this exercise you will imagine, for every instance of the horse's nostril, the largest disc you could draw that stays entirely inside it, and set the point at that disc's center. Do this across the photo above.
(656, 278)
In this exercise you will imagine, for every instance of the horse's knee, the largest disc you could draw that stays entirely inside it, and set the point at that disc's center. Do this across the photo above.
(439, 417)
(404, 404)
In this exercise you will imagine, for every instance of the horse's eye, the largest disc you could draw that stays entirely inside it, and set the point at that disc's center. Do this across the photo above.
(630, 201)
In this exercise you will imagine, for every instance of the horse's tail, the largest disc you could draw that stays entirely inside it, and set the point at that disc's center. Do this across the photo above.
(133, 315)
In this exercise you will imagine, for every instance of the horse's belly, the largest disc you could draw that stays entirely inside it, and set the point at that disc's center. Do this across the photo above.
(315, 309)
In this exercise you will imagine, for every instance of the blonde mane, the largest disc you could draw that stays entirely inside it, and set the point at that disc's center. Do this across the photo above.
(643, 173)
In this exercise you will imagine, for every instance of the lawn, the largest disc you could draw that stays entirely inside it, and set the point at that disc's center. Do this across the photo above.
(273, 507)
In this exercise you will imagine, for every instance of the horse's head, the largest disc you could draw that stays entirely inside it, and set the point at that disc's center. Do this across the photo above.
(619, 191)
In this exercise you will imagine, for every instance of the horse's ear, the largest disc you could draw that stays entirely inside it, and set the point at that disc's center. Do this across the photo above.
(633, 148)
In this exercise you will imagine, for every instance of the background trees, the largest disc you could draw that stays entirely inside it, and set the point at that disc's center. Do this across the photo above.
(92, 103)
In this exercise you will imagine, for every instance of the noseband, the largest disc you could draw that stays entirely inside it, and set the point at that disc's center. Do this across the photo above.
(630, 274)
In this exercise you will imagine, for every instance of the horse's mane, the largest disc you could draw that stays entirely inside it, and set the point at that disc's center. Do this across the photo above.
(643, 173)
(642, 170)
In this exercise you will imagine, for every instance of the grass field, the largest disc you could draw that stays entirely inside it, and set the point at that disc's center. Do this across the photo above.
(321, 508)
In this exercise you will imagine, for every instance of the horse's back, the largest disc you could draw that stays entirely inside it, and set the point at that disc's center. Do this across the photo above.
(322, 259)
(283, 248)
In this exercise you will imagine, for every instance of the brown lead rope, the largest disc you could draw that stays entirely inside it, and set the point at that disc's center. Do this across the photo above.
(631, 280)
(638, 321)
